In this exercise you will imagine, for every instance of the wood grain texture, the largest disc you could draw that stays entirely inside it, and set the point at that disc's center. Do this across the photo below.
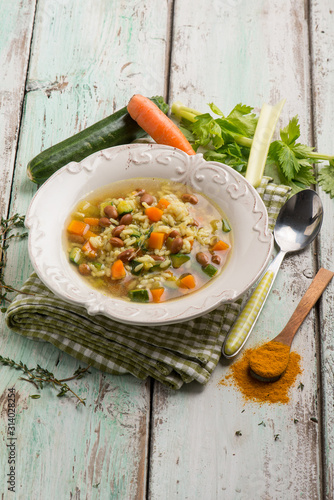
(15, 37)
(249, 53)
(322, 29)
(87, 59)
(309, 299)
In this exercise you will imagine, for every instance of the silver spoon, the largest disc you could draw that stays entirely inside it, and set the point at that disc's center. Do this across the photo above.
(298, 223)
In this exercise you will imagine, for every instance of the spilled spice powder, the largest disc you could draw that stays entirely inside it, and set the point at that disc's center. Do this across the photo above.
(263, 392)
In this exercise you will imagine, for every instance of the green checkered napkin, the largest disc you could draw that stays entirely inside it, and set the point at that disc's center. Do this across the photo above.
(173, 354)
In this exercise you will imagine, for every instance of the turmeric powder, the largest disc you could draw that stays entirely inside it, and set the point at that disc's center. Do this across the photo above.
(270, 360)
(255, 390)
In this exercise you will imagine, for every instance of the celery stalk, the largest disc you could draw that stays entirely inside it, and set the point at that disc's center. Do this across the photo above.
(261, 141)
(181, 111)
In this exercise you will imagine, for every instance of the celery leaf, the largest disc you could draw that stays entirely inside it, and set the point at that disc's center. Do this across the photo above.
(326, 178)
(188, 135)
(242, 109)
(291, 132)
(292, 168)
(302, 151)
(303, 179)
(242, 118)
(215, 109)
(288, 161)
(211, 155)
(205, 129)
(231, 154)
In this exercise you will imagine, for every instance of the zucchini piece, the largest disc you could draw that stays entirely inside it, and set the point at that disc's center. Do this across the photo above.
(171, 284)
(118, 128)
(157, 267)
(154, 268)
(97, 265)
(178, 259)
(124, 208)
(210, 270)
(135, 234)
(169, 242)
(102, 206)
(139, 295)
(134, 264)
(215, 224)
(76, 256)
(226, 226)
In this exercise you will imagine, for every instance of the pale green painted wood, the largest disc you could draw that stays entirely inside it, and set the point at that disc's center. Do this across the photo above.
(79, 75)
(250, 53)
(15, 35)
(87, 59)
(322, 16)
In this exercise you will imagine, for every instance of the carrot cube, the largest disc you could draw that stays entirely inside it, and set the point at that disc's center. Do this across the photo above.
(154, 213)
(92, 221)
(118, 270)
(156, 240)
(90, 234)
(77, 227)
(156, 294)
(163, 203)
(188, 281)
(89, 250)
(220, 245)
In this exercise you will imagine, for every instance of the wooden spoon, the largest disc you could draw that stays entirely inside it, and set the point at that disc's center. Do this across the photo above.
(286, 336)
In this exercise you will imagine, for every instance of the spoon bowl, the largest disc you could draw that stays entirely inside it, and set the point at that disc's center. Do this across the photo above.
(298, 223)
(267, 379)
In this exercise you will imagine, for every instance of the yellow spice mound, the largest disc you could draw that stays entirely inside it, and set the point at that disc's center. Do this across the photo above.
(270, 360)
(262, 392)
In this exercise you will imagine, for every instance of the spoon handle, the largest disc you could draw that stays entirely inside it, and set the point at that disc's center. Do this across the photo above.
(246, 320)
(311, 296)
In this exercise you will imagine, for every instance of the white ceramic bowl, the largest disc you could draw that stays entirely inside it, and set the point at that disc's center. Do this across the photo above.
(242, 205)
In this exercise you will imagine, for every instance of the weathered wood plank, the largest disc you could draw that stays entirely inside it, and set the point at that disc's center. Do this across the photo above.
(87, 59)
(250, 53)
(15, 37)
(322, 36)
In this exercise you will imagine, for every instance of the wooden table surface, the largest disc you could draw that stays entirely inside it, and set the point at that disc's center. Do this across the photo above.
(65, 64)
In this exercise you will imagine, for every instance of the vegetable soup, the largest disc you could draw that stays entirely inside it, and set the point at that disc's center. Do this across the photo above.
(148, 240)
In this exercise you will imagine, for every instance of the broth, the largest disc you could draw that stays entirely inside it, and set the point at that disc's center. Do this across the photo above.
(148, 240)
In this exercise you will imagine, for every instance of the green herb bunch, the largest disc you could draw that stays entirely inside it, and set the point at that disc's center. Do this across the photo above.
(7, 226)
(228, 139)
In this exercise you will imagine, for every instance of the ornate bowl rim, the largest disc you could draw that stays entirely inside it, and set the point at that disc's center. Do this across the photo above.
(241, 203)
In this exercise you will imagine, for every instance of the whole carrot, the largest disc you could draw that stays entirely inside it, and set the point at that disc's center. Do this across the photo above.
(161, 128)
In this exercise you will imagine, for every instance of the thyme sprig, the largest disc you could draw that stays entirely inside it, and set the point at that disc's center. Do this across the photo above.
(16, 221)
(10, 288)
(6, 226)
(144, 239)
(40, 377)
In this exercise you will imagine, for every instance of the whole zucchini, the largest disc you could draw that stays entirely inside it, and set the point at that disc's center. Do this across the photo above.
(118, 128)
